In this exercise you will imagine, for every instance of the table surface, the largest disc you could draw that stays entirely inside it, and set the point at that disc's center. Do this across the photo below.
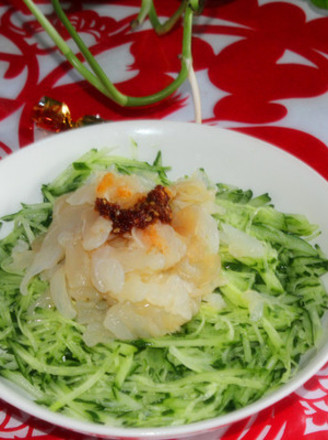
(262, 68)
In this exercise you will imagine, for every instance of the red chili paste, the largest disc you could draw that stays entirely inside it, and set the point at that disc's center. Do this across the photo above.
(148, 209)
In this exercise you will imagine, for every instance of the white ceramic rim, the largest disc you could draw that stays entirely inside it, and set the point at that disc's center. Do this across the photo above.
(55, 145)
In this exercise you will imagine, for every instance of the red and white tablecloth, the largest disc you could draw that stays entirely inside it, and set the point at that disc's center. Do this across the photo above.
(262, 67)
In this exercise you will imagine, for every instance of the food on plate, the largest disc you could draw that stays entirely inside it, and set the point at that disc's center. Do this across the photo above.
(129, 259)
(132, 300)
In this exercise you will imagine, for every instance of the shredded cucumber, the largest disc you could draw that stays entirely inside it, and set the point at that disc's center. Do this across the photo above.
(221, 360)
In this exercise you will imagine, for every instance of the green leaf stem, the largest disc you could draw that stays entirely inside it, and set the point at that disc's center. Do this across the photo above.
(96, 76)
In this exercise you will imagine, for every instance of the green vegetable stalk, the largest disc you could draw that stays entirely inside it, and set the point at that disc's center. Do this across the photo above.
(323, 4)
(98, 78)
(95, 74)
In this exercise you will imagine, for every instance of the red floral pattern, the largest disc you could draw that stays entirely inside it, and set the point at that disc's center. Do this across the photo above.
(256, 61)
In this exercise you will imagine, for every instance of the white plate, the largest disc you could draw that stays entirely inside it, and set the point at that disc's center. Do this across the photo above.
(227, 157)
